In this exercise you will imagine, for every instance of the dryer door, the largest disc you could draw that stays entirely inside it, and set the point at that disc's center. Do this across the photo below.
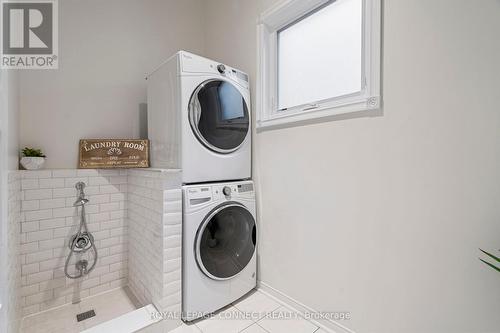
(218, 115)
(225, 241)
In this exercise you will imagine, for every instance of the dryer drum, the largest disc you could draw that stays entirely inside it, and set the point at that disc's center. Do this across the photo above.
(218, 115)
(225, 242)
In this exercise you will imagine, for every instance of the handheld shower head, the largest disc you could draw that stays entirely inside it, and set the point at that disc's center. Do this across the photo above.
(80, 202)
(81, 195)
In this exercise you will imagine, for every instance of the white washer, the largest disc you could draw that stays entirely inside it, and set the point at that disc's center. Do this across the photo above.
(219, 246)
(199, 119)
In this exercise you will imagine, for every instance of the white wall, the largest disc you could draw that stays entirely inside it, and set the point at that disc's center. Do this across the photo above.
(383, 216)
(105, 50)
(9, 200)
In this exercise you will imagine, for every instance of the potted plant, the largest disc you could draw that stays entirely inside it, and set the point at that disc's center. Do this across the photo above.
(33, 159)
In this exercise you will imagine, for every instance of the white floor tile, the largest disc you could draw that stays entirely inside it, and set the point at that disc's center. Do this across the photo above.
(285, 320)
(228, 321)
(256, 305)
(254, 329)
(186, 329)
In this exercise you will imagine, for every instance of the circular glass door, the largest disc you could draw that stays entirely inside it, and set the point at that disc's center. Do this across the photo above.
(225, 242)
(218, 115)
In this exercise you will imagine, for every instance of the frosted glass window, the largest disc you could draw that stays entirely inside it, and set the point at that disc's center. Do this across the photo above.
(319, 55)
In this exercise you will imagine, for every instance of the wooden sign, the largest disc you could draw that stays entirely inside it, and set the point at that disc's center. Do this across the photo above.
(113, 153)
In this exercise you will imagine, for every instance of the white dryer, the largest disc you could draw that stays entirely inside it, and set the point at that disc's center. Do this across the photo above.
(199, 119)
(219, 246)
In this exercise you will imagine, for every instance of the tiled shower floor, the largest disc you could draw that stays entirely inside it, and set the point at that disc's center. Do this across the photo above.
(63, 319)
(255, 313)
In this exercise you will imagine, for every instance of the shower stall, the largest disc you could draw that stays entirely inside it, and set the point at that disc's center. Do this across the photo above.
(97, 247)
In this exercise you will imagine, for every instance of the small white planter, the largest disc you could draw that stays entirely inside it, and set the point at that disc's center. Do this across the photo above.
(33, 163)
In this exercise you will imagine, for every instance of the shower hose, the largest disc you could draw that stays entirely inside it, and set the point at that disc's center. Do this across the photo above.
(82, 230)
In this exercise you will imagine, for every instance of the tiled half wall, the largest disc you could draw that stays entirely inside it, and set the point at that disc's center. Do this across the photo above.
(143, 247)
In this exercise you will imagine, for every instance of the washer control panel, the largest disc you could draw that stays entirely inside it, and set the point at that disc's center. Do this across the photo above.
(199, 195)
(226, 191)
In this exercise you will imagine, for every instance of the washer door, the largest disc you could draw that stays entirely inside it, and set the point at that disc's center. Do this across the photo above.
(225, 241)
(218, 115)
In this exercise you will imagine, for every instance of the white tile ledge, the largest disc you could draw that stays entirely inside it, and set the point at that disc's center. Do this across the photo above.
(128, 323)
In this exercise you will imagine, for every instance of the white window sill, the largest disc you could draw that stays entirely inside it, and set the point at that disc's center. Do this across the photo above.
(365, 107)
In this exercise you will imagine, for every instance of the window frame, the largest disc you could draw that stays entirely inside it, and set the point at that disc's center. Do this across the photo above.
(286, 13)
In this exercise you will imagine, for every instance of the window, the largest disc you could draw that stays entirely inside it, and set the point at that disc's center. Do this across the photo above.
(318, 58)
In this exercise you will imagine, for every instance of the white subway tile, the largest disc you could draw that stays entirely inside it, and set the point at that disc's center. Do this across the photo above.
(53, 243)
(87, 173)
(29, 184)
(64, 212)
(51, 183)
(52, 284)
(29, 247)
(29, 290)
(52, 303)
(117, 214)
(101, 234)
(39, 277)
(37, 194)
(52, 203)
(109, 172)
(99, 289)
(108, 242)
(92, 190)
(118, 266)
(30, 269)
(30, 226)
(38, 215)
(112, 259)
(30, 205)
(30, 174)
(38, 235)
(117, 180)
(107, 207)
(64, 193)
(110, 277)
(64, 173)
(39, 298)
(99, 217)
(118, 231)
(118, 283)
(62, 232)
(104, 189)
(90, 283)
(98, 181)
(52, 223)
(51, 264)
(117, 197)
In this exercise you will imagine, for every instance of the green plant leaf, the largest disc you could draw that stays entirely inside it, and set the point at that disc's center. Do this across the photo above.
(491, 265)
(31, 152)
(490, 255)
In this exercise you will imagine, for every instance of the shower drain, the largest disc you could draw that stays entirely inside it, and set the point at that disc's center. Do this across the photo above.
(85, 315)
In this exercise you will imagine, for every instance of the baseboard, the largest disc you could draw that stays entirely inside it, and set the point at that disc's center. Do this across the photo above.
(328, 325)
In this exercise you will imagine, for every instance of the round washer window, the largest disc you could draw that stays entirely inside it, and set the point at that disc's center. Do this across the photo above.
(226, 241)
(218, 115)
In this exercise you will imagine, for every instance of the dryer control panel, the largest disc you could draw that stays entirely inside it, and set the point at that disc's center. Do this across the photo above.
(197, 195)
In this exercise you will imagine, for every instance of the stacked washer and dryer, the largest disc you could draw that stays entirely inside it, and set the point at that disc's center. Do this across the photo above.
(199, 121)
